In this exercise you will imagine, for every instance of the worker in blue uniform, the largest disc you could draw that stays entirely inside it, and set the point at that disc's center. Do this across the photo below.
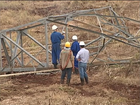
(75, 48)
(56, 38)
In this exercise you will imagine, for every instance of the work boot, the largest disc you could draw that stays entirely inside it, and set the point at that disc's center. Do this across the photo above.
(55, 66)
(62, 81)
(82, 81)
(68, 82)
(86, 79)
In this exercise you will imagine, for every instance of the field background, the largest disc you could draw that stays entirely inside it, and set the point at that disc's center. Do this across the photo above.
(108, 84)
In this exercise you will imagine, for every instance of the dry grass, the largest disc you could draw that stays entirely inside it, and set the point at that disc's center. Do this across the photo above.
(108, 85)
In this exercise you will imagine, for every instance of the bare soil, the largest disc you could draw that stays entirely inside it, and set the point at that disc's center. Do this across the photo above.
(41, 89)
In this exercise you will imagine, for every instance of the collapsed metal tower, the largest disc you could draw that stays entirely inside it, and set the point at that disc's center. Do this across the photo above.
(107, 27)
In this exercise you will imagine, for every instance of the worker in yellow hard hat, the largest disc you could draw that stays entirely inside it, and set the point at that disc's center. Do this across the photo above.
(66, 63)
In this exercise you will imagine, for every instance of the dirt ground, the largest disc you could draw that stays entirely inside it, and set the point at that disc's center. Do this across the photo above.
(44, 89)
(117, 85)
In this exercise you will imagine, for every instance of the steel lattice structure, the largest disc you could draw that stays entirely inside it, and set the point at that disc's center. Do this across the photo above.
(105, 17)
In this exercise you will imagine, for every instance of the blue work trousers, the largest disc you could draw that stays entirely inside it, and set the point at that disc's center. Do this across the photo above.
(67, 71)
(55, 53)
(75, 63)
(82, 70)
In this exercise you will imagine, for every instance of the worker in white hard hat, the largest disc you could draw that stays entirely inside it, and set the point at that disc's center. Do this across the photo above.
(75, 48)
(56, 38)
(82, 57)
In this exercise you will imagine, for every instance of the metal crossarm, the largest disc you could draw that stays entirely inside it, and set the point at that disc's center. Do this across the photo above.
(106, 26)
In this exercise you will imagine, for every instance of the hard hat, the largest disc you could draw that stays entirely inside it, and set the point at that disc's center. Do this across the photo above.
(67, 44)
(82, 43)
(74, 37)
(54, 27)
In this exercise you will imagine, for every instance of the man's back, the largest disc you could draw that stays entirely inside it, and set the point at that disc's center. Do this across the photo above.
(75, 47)
(83, 54)
(56, 37)
(64, 56)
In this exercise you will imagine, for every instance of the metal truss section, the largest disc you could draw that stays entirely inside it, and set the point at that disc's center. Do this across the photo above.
(106, 25)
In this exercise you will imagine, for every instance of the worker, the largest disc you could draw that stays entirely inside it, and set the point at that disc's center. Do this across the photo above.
(82, 57)
(66, 63)
(75, 48)
(56, 38)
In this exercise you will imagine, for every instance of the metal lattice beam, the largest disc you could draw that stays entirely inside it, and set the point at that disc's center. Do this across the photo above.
(119, 33)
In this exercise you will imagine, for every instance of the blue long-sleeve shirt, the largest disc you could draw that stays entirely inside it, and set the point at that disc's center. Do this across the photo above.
(75, 48)
(56, 37)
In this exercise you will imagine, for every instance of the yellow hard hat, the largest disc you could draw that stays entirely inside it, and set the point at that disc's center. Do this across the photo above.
(67, 44)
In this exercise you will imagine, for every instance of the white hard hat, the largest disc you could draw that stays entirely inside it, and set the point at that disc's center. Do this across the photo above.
(54, 27)
(74, 37)
(82, 43)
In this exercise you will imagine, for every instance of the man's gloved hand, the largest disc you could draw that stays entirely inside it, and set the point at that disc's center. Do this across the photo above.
(63, 32)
